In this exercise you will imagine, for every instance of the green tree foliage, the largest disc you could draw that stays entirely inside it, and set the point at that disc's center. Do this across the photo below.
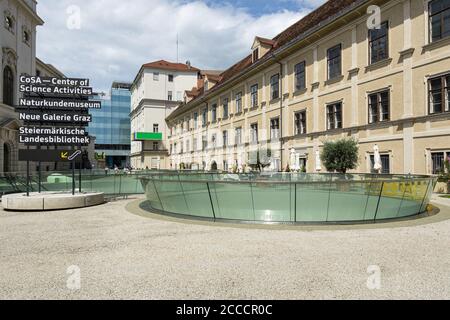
(260, 158)
(340, 155)
(444, 175)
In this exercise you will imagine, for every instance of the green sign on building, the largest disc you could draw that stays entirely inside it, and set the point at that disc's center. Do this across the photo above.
(148, 136)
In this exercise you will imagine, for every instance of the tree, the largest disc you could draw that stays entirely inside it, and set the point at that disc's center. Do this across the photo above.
(260, 158)
(444, 175)
(340, 155)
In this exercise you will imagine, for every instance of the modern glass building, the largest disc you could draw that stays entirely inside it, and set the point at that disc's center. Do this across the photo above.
(111, 126)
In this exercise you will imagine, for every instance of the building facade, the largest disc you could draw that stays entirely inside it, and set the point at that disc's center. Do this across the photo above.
(157, 90)
(18, 50)
(377, 71)
(111, 127)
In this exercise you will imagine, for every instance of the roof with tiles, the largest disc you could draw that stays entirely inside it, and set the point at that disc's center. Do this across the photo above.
(313, 19)
(166, 65)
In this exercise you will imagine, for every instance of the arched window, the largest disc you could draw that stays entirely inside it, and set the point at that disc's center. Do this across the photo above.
(8, 86)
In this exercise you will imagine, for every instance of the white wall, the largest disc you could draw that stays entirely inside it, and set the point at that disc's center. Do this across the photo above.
(156, 112)
(26, 53)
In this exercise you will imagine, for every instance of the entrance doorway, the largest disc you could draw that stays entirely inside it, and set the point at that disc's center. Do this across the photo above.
(6, 158)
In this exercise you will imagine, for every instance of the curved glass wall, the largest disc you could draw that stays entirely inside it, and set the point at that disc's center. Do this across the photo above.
(288, 198)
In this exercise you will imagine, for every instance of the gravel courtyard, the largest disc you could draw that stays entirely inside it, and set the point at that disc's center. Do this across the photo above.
(123, 253)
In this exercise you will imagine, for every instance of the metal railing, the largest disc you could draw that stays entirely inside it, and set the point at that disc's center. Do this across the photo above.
(111, 183)
(288, 198)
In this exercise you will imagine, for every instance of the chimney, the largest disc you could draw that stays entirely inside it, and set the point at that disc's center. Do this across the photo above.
(188, 63)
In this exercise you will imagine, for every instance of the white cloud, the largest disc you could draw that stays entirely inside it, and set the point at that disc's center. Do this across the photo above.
(116, 37)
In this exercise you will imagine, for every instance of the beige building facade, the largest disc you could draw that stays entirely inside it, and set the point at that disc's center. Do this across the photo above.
(329, 76)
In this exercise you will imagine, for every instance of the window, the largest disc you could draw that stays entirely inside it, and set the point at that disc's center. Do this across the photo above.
(204, 117)
(155, 146)
(225, 108)
(439, 94)
(195, 145)
(182, 147)
(238, 136)
(8, 86)
(155, 128)
(169, 96)
(188, 124)
(195, 120)
(300, 123)
(171, 149)
(385, 163)
(275, 128)
(334, 62)
(179, 96)
(170, 77)
(239, 102)
(254, 132)
(379, 43)
(255, 55)
(204, 143)
(254, 95)
(437, 159)
(214, 140)
(439, 16)
(225, 165)
(300, 76)
(155, 76)
(9, 22)
(225, 138)
(188, 146)
(302, 163)
(175, 150)
(26, 37)
(334, 116)
(214, 113)
(379, 107)
(275, 86)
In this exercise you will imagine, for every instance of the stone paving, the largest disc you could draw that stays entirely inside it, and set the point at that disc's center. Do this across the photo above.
(118, 251)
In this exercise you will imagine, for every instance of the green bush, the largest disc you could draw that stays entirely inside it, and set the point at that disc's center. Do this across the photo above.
(260, 158)
(340, 155)
(444, 175)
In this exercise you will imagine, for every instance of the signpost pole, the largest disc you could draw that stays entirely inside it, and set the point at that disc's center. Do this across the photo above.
(73, 177)
(28, 178)
(39, 177)
(79, 177)
(54, 112)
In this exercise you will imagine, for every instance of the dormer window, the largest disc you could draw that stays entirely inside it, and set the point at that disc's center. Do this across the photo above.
(255, 54)
(261, 47)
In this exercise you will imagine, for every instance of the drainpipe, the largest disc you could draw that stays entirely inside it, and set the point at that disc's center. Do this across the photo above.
(281, 108)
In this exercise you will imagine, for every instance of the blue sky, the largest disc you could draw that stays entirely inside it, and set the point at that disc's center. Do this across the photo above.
(113, 38)
(261, 7)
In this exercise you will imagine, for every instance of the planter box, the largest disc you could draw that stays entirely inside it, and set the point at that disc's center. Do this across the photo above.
(442, 187)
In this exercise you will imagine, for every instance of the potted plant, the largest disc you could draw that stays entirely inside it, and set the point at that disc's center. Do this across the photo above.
(340, 156)
(261, 158)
